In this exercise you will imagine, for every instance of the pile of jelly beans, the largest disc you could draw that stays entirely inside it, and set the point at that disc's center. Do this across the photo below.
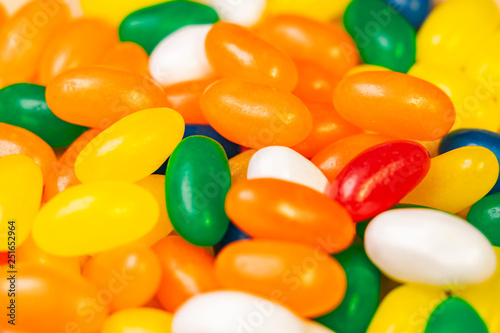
(249, 166)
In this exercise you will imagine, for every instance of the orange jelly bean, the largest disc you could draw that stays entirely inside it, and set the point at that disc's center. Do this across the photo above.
(236, 52)
(63, 173)
(314, 83)
(52, 300)
(131, 274)
(187, 271)
(255, 115)
(185, 97)
(239, 166)
(395, 104)
(17, 140)
(78, 43)
(98, 96)
(333, 158)
(24, 37)
(325, 44)
(328, 127)
(299, 214)
(304, 278)
(3, 16)
(127, 56)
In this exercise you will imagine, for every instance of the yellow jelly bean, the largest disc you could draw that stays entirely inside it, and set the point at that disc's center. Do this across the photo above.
(132, 148)
(454, 30)
(155, 184)
(316, 9)
(94, 217)
(456, 179)
(113, 12)
(474, 105)
(21, 184)
(138, 320)
(406, 309)
(366, 68)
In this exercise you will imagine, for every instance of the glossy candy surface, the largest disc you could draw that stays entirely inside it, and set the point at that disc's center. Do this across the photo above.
(485, 216)
(378, 178)
(126, 56)
(144, 320)
(24, 105)
(455, 315)
(244, 12)
(414, 12)
(255, 115)
(233, 234)
(267, 268)
(185, 97)
(239, 166)
(314, 83)
(395, 104)
(315, 9)
(231, 148)
(112, 13)
(197, 181)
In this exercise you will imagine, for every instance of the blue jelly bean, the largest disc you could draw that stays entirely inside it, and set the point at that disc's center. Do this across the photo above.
(414, 11)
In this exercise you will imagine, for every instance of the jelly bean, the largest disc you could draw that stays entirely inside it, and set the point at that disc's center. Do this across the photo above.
(232, 311)
(235, 52)
(299, 214)
(17, 140)
(133, 148)
(233, 234)
(62, 175)
(314, 83)
(414, 12)
(362, 296)
(111, 12)
(239, 166)
(52, 299)
(187, 270)
(380, 177)
(333, 158)
(328, 127)
(141, 267)
(395, 104)
(366, 68)
(67, 224)
(255, 115)
(455, 315)
(316, 9)
(69, 47)
(4, 258)
(189, 61)
(155, 184)
(406, 309)
(471, 111)
(455, 252)
(313, 327)
(24, 37)
(286, 164)
(325, 44)
(197, 181)
(454, 30)
(291, 273)
(24, 105)
(140, 320)
(185, 97)
(97, 97)
(230, 148)
(243, 12)
(485, 216)
(126, 56)
(383, 36)
(456, 179)
(22, 183)
(473, 137)
(3, 16)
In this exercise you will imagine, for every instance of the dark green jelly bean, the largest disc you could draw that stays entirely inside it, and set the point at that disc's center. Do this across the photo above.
(24, 105)
(196, 185)
(454, 315)
(148, 26)
(362, 296)
(485, 216)
(382, 35)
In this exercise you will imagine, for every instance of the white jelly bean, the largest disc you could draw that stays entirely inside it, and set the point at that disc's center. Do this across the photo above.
(314, 327)
(286, 164)
(430, 247)
(242, 12)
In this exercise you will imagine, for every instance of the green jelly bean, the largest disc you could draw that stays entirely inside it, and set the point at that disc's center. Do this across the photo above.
(197, 181)
(485, 216)
(382, 35)
(454, 315)
(24, 105)
(148, 26)
(362, 296)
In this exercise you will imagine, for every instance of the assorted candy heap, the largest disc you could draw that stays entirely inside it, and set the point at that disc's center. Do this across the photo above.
(250, 166)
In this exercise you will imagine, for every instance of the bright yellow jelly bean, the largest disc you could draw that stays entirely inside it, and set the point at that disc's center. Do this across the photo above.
(406, 309)
(94, 217)
(113, 13)
(138, 320)
(132, 148)
(366, 68)
(21, 184)
(317, 9)
(474, 105)
(155, 184)
(454, 30)
(456, 179)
